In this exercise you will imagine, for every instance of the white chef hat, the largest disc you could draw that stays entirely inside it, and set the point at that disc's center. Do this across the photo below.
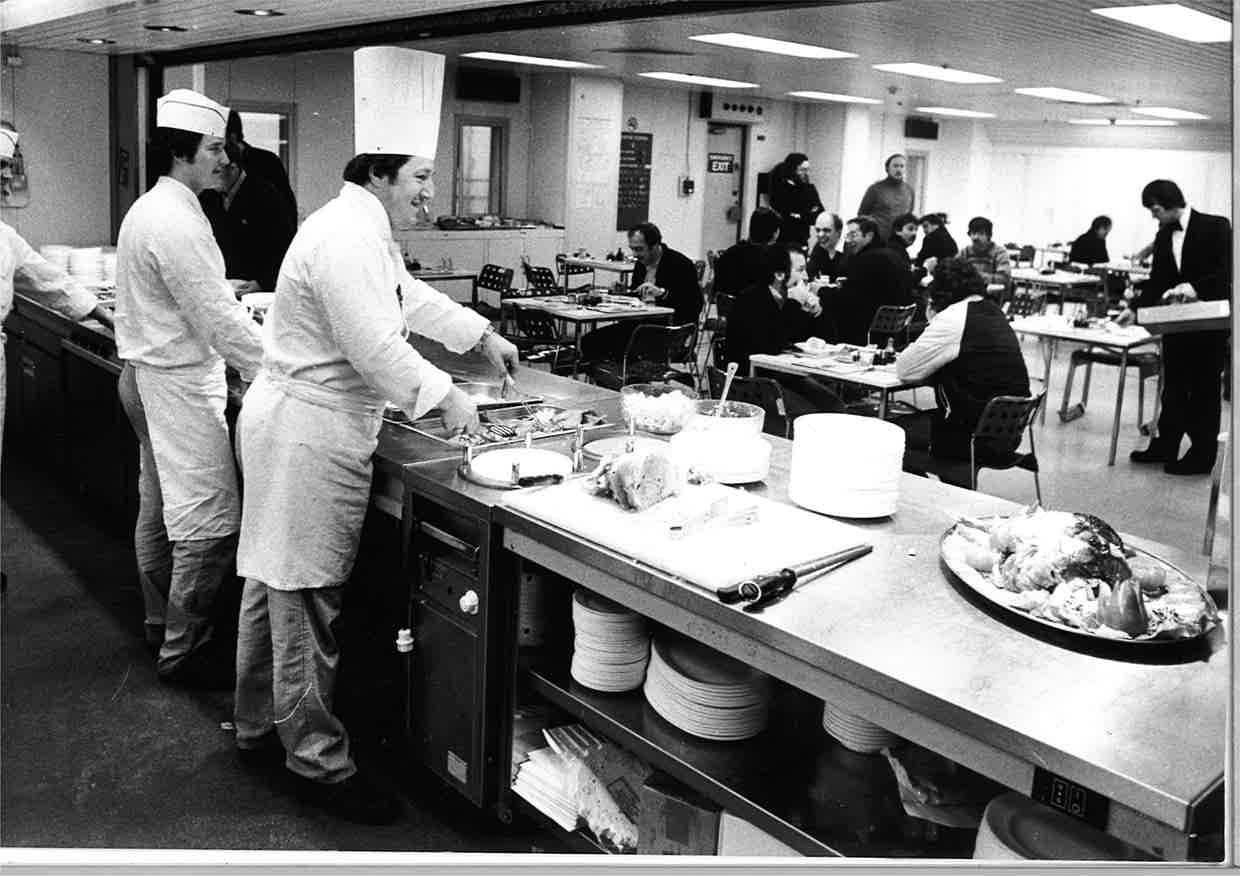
(397, 95)
(190, 111)
(8, 142)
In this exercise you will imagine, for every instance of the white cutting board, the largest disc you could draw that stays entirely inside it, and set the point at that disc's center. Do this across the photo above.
(712, 557)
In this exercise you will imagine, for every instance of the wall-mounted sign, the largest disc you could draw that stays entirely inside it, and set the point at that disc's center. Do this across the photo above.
(720, 162)
(633, 201)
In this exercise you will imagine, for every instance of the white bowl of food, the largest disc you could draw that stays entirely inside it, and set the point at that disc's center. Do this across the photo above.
(735, 418)
(659, 408)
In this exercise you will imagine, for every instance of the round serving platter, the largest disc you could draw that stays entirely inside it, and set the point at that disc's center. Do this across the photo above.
(979, 583)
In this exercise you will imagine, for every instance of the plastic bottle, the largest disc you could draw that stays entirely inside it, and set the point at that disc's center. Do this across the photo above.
(889, 353)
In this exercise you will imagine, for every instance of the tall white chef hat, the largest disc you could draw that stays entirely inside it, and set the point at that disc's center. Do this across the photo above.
(190, 111)
(396, 101)
(8, 142)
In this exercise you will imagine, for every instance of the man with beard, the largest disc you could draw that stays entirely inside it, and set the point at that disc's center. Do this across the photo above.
(875, 277)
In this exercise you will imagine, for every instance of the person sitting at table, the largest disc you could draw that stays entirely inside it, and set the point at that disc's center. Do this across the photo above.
(903, 233)
(1091, 247)
(875, 277)
(991, 260)
(969, 352)
(662, 275)
(826, 261)
(740, 265)
(937, 243)
(771, 315)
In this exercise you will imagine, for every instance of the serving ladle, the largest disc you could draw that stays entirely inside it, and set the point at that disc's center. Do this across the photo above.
(727, 385)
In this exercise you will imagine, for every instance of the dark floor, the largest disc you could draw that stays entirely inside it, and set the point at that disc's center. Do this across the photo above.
(97, 753)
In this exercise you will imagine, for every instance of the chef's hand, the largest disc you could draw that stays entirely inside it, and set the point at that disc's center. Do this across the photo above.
(103, 315)
(459, 413)
(929, 264)
(245, 287)
(501, 353)
(1180, 293)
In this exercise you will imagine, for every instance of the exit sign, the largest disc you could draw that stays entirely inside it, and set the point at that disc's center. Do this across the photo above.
(720, 162)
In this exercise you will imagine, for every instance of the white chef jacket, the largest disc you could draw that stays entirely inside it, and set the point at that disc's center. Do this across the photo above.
(337, 321)
(174, 309)
(43, 281)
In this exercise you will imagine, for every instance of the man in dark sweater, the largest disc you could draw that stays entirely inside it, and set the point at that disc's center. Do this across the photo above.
(662, 274)
(875, 277)
(740, 265)
(889, 197)
(936, 243)
(771, 315)
(260, 163)
(969, 352)
(1091, 247)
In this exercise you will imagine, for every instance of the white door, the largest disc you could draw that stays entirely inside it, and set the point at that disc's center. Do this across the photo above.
(721, 190)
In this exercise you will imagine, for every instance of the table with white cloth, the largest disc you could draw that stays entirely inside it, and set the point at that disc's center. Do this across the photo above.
(1050, 330)
(881, 378)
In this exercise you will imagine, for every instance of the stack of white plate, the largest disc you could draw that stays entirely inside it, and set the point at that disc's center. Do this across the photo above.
(706, 693)
(108, 265)
(855, 733)
(610, 647)
(1015, 828)
(846, 465)
(57, 254)
(86, 264)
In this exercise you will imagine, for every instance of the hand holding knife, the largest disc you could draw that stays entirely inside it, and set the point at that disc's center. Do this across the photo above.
(764, 590)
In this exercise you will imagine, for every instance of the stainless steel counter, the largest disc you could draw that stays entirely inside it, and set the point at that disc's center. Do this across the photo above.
(891, 638)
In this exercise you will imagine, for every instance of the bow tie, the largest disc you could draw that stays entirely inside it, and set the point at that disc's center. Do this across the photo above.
(1176, 226)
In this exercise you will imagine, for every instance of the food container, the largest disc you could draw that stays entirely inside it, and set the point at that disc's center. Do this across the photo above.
(738, 418)
(660, 408)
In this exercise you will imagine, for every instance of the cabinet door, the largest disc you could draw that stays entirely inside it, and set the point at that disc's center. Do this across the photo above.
(445, 700)
(13, 405)
(42, 411)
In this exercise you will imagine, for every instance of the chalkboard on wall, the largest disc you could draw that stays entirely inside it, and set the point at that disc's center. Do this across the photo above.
(633, 202)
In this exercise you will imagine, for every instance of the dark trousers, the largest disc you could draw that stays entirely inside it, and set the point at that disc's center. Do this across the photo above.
(1192, 391)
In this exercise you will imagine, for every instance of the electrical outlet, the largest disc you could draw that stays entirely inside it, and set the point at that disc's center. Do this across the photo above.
(686, 186)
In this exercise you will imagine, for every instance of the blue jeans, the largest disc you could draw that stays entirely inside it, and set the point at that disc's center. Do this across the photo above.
(287, 659)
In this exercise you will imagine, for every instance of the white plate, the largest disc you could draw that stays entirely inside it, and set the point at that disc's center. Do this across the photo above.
(258, 300)
(616, 444)
(496, 465)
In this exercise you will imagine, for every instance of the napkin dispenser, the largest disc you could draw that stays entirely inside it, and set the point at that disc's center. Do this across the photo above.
(845, 465)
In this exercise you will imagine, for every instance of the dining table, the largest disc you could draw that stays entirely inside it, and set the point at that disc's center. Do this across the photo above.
(434, 276)
(623, 269)
(611, 309)
(879, 378)
(1066, 285)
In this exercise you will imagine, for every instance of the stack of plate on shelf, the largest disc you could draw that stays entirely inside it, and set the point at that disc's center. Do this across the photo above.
(86, 264)
(855, 733)
(57, 254)
(706, 693)
(610, 647)
(1015, 828)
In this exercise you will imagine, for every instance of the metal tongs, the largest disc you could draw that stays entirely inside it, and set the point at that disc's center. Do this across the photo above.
(763, 590)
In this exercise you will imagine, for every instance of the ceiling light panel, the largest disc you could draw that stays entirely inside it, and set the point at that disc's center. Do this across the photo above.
(950, 111)
(1098, 122)
(1145, 123)
(1065, 95)
(835, 98)
(1166, 112)
(689, 79)
(777, 47)
(1172, 19)
(531, 60)
(943, 74)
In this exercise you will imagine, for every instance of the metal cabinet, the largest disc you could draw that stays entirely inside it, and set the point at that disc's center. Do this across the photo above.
(41, 431)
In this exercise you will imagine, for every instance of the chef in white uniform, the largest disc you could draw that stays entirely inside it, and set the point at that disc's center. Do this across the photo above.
(177, 323)
(336, 351)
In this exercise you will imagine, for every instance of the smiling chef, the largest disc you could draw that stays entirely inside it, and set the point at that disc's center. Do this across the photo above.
(336, 350)
(177, 323)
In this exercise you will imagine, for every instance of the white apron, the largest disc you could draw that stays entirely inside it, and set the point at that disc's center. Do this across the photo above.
(189, 437)
(305, 455)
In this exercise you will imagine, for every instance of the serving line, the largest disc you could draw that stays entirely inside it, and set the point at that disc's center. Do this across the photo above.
(890, 638)
(1050, 330)
(880, 377)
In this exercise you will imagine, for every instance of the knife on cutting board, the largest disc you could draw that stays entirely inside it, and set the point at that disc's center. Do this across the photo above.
(763, 587)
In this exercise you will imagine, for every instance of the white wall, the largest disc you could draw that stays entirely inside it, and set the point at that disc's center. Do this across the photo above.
(548, 183)
(58, 101)
(592, 165)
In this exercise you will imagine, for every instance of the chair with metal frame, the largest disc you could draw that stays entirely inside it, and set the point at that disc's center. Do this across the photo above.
(994, 444)
(494, 278)
(1148, 364)
(1025, 302)
(764, 392)
(890, 320)
(1216, 480)
(538, 340)
(648, 356)
(539, 281)
(566, 270)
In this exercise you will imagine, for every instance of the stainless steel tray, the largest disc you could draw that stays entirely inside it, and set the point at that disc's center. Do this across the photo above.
(515, 418)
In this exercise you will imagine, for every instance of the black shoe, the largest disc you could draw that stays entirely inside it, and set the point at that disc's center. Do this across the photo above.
(196, 671)
(266, 752)
(1152, 454)
(1190, 465)
(355, 799)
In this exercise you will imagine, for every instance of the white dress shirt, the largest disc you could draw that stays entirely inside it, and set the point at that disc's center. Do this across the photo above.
(1177, 237)
(43, 281)
(174, 309)
(336, 320)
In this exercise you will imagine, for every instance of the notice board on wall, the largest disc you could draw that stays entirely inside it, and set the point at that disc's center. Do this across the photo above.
(633, 201)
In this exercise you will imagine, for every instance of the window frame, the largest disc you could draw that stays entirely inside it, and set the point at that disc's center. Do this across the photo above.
(287, 152)
(499, 163)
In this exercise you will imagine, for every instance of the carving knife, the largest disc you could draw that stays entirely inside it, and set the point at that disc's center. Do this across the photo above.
(762, 587)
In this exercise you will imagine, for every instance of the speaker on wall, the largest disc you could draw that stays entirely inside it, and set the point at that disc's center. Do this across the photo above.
(706, 104)
(922, 129)
(487, 85)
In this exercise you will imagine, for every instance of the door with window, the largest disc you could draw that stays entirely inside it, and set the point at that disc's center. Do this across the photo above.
(478, 188)
(915, 174)
(721, 190)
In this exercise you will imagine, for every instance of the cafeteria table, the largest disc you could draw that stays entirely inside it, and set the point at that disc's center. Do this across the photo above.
(874, 377)
(1060, 283)
(1052, 329)
(622, 268)
(434, 275)
(563, 308)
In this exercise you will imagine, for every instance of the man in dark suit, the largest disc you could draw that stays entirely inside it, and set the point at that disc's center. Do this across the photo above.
(740, 265)
(260, 163)
(874, 277)
(1192, 262)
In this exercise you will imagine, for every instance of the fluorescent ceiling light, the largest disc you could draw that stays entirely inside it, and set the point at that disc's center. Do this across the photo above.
(1174, 20)
(1064, 94)
(1166, 112)
(529, 59)
(944, 74)
(948, 111)
(699, 80)
(96, 41)
(1106, 122)
(838, 98)
(778, 47)
(258, 13)
(1145, 123)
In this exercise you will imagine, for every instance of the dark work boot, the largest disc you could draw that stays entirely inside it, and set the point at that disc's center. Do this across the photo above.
(356, 799)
